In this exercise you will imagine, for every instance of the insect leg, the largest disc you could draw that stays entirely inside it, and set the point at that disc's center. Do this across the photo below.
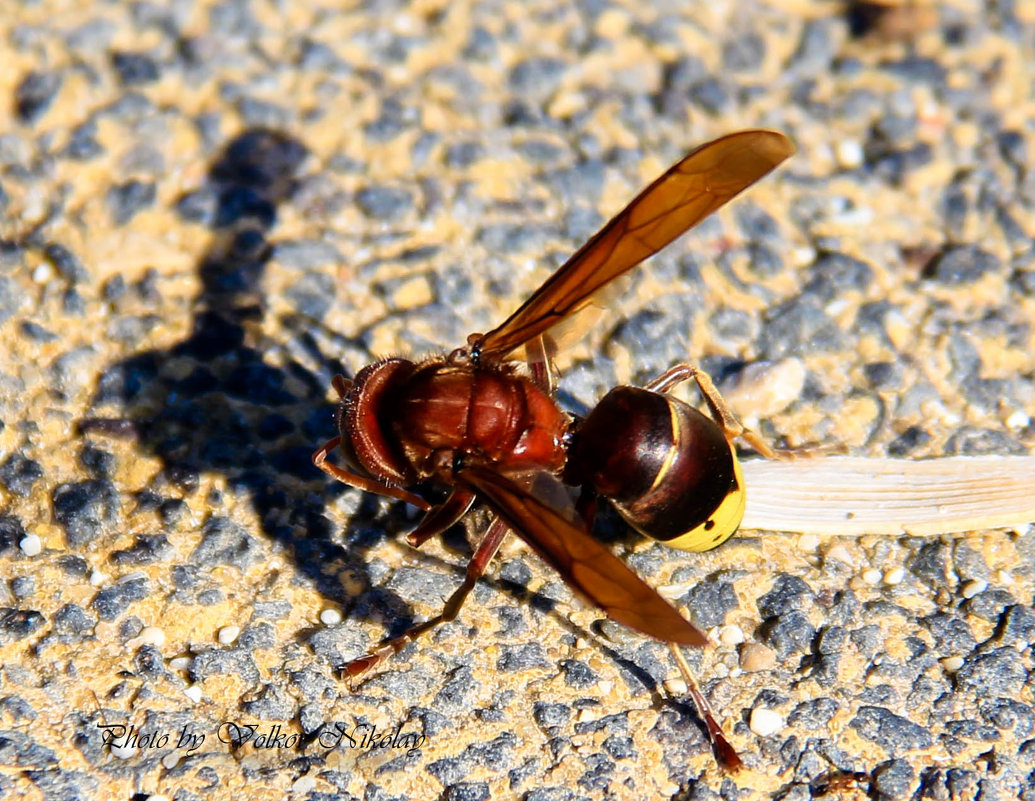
(441, 517)
(475, 568)
(721, 413)
(110, 426)
(725, 754)
(362, 482)
(586, 506)
(341, 385)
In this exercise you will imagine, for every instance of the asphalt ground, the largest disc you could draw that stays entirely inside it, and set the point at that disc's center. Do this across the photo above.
(209, 209)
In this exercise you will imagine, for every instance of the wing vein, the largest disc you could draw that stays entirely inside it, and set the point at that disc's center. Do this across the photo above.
(688, 192)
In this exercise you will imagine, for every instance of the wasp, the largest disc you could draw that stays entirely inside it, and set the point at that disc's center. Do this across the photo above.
(477, 425)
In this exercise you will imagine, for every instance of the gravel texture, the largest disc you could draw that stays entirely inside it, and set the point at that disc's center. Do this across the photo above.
(207, 209)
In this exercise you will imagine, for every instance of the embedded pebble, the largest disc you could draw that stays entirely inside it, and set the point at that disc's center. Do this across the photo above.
(803, 255)
(973, 588)
(952, 663)
(123, 749)
(894, 576)
(731, 636)
(838, 552)
(849, 154)
(764, 389)
(755, 657)
(342, 195)
(872, 576)
(1018, 420)
(149, 635)
(765, 722)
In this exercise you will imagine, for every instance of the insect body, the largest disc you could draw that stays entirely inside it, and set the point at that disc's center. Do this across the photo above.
(473, 423)
(407, 422)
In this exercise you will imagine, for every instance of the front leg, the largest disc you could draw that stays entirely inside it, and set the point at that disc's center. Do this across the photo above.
(441, 517)
(436, 519)
(365, 483)
(475, 568)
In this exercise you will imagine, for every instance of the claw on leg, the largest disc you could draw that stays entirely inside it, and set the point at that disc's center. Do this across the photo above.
(475, 569)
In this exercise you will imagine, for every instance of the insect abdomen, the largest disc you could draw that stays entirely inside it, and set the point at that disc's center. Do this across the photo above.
(667, 469)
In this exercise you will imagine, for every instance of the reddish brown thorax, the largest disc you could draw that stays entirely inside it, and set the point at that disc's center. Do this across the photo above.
(406, 422)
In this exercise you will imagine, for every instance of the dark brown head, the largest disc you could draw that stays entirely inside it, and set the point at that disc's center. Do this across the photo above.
(361, 422)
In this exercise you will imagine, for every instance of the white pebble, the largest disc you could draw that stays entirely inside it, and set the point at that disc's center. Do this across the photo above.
(587, 715)
(97, 578)
(124, 751)
(31, 545)
(838, 553)
(974, 587)
(675, 686)
(765, 721)
(894, 576)
(330, 617)
(802, 256)
(179, 663)
(952, 663)
(304, 785)
(1018, 420)
(193, 692)
(850, 154)
(872, 576)
(731, 636)
(228, 634)
(43, 273)
(673, 591)
(151, 635)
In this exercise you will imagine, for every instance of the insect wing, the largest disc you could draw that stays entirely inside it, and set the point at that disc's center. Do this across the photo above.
(586, 565)
(684, 195)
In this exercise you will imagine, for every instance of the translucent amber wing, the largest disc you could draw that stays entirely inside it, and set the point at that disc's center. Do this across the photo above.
(687, 193)
(585, 565)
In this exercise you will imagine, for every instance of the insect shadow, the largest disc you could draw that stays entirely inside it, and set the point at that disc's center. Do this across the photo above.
(212, 404)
